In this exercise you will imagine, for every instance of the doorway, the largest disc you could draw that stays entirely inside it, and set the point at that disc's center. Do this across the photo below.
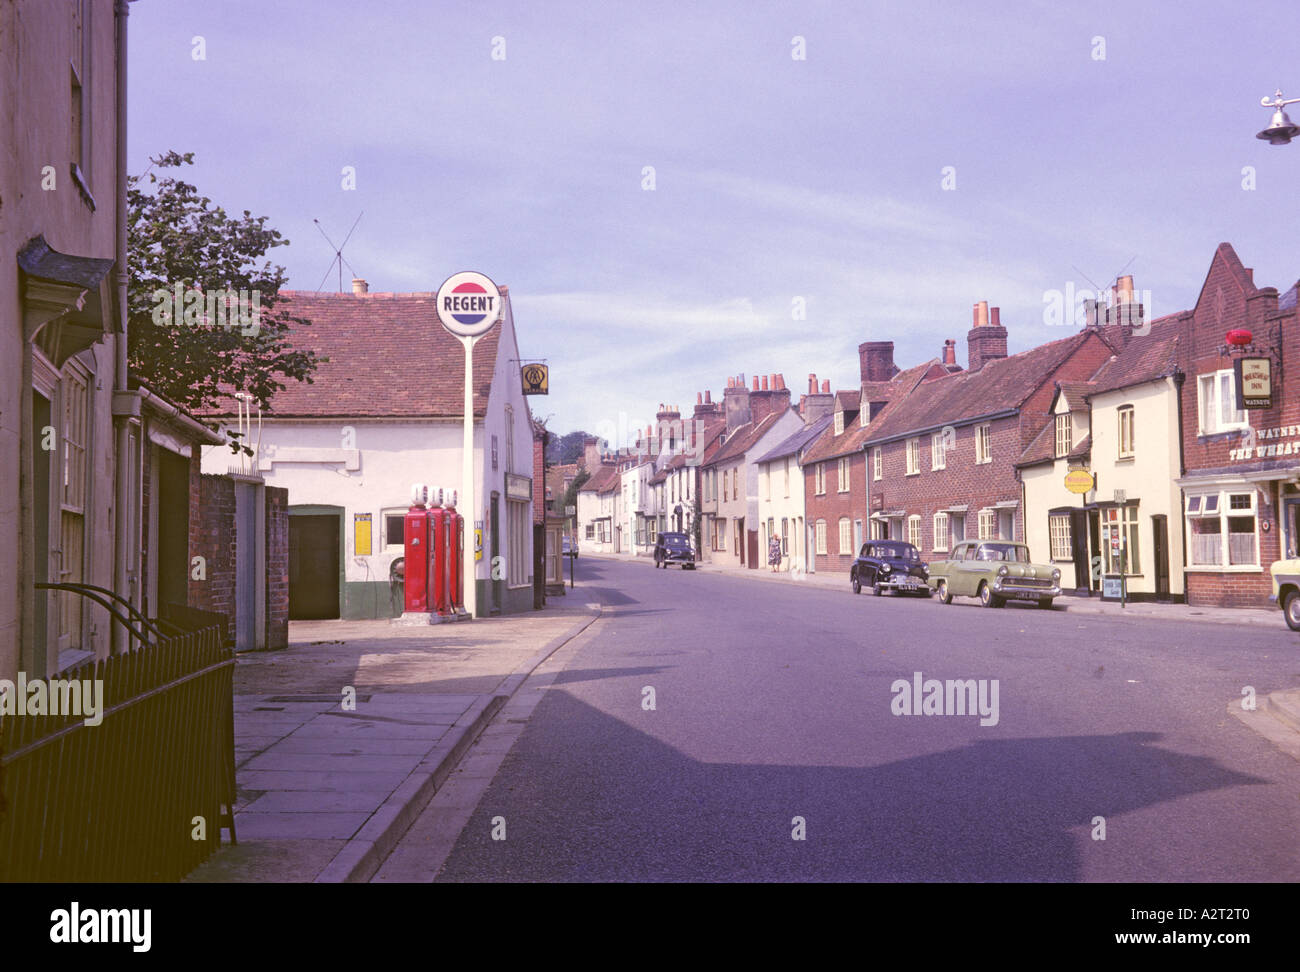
(1094, 542)
(1079, 549)
(314, 562)
(1160, 535)
(496, 584)
(173, 555)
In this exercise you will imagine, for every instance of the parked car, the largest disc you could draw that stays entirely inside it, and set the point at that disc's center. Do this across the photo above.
(994, 571)
(674, 548)
(889, 565)
(1286, 590)
(568, 546)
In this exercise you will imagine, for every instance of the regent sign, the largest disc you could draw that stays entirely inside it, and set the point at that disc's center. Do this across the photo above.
(468, 304)
(1254, 382)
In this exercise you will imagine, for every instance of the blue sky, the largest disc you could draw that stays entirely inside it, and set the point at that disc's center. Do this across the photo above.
(775, 178)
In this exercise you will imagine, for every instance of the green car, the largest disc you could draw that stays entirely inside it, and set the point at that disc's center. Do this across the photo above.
(994, 571)
(1286, 590)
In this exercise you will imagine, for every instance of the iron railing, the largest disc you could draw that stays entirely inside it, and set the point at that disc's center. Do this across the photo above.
(144, 794)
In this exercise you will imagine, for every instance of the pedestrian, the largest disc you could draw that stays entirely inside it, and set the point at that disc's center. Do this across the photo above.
(774, 554)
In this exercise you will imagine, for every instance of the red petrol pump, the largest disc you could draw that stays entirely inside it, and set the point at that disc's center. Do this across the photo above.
(456, 552)
(433, 534)
(416, 541)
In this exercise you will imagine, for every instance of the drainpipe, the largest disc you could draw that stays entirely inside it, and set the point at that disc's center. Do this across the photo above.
(123, 519)
(1179, 378)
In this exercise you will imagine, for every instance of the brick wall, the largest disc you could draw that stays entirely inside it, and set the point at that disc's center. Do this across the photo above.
(1229, 300)
(213, 537)
(831, 506)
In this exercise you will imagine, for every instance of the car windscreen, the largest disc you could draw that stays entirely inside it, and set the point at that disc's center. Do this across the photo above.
(897, 552)
(1004, 551)
(676, 541)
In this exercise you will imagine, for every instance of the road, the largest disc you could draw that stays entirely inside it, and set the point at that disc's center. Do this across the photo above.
(774, 702)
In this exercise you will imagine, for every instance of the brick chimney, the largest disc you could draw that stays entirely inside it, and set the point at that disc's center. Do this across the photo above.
(707, 408)
(950, 356)
(1260, 306)
(876, 360)
(815, 404)
(771, 397)
(360, 287)
(735, 402)
(591, 454)
(987, 340)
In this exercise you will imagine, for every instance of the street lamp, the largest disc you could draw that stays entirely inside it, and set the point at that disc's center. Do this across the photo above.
(1280, 129)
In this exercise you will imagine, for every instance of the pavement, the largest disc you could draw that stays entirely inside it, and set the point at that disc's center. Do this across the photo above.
(342, 738)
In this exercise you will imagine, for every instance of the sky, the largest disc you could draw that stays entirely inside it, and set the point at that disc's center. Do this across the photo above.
(674, 195)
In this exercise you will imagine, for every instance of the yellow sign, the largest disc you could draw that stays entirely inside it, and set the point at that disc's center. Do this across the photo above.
(536, 378)
(361, 534)
(478, 544)
(1079, 481)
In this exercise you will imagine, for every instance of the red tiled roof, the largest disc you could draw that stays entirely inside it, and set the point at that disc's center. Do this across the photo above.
(829, 445)
(602, 480)
(1145, 358)
(742, 439)
(1001, 385)
(1074, 392)
(389, 357)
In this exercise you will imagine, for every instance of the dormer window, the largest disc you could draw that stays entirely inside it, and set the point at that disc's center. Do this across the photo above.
(839, 423)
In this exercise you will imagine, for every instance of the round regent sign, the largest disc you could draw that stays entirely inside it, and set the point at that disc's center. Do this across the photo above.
(1078, 481)
(468, 304)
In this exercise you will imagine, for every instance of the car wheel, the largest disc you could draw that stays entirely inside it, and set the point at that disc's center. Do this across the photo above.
(876, 590)
(1045, 603)
(942, 590)
(987, 598)
(857, 584)
(1291, 609)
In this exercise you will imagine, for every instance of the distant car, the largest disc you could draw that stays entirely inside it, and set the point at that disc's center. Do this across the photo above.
(674, 548)
(994, 571)
(889, 565)
(1286, 590)
(568, 546)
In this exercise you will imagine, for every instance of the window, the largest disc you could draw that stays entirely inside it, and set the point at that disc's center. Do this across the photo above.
(819, 478)
(914, 530)
(820, 536)
(1058, 530)
(735, 483)
(1126, 432)
(1216, 400)
(913, 456)
(1121, 523)
(846, 536)
(787, 475)
(785, 536)
(1223, 530)
(983, 443)
(519, 525)
(844, 474)
(839, 422)
(72, 508)
(938, 455)
(988, 524)
(877, 464)
(591, 531)
(1063, 435)
(941, 531)
(394, 530)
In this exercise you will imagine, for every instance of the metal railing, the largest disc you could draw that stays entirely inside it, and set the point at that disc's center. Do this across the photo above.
(144, 794)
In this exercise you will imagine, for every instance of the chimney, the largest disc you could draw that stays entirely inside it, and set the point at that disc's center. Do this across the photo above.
(780, 382)
(826, 386)
(591, 454)
(765, 383)
(1260, 306)
(699, 398)
(816, 404)
(987, 340)
(950, 356)
(735, 404)
(756, 384)
(812, 384)
(359, 287)
(876, 360)
(767, 398)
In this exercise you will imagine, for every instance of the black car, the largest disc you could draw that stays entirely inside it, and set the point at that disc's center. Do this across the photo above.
(889, 565)
(674, 548)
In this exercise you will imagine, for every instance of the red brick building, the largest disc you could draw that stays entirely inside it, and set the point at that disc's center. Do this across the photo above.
(1241, 480)
(941, 461)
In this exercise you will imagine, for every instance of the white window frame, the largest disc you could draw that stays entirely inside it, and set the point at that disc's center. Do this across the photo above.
(914, 456)
(819, 478)
(988, 524)
(846, 537)
(819, 534)
(940, 526)
(1211, 389)
(1127, 437)
(842, 471)
(877, 464)
(938, 455)
(839, 422)
(1060, 542)
(914, 530)
(983, 443)
(1195, 505)
(1064, 435)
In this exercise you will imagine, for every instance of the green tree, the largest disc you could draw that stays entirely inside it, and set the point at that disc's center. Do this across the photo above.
(179, 238)
(571, 494)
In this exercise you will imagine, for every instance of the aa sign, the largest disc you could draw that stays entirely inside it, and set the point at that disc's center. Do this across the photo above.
(536, 378)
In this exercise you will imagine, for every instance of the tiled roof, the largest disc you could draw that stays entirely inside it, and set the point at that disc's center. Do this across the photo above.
(1083, 447)
(1074, 392)
(388, 357)
(1145, 358)
(602, 480)
(830, 445)
(1002, 384)
(742, 438)
(846, 400)
(798, 440)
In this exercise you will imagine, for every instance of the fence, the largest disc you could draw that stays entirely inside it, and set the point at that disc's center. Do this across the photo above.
(144, 794)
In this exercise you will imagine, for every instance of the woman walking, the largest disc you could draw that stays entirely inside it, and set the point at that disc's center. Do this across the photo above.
(774, 554)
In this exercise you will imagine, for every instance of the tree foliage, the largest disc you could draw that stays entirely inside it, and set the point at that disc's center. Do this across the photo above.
(178, 237)
(564, 449)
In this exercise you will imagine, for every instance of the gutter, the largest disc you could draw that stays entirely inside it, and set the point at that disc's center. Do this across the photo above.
(123, 517)
(1003, 413)
(173, 414)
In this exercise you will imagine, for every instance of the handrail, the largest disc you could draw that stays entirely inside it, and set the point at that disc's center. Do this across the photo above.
(106, 605)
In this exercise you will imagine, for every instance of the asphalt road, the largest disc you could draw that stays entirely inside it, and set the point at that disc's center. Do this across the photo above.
(774, 701)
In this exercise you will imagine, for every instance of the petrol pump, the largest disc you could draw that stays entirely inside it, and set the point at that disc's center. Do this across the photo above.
(456, 553)
(416, 541)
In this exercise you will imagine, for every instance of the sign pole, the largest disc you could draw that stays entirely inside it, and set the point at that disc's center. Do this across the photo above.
(469, 566)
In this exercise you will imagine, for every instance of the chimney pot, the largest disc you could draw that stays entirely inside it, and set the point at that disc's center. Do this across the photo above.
(995, 316)
(708, 398)
(812, 383)
(699, 398)
(764, 383)
(780, 382)
(756, 387)
(359, 286)
(826, 386)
